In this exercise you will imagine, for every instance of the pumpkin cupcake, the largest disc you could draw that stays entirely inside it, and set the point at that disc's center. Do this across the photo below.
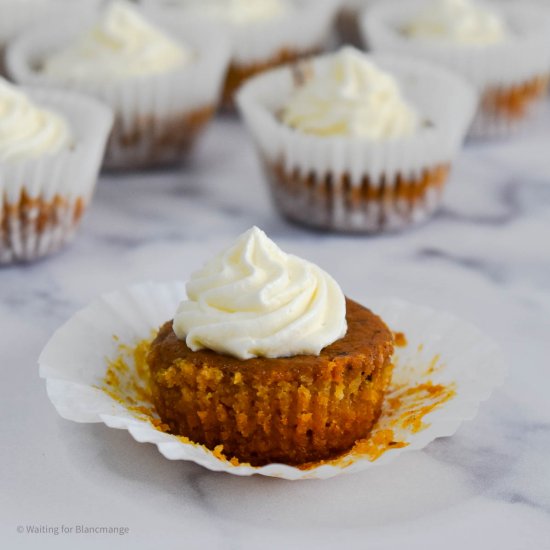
(268, 359)
(51, 147)
(264, 33)
(162, 87)
(502, 49)
(353, 142)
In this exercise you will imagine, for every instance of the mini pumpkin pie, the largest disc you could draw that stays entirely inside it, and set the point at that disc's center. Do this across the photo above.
(264, 33)
(269, 359)
(51, 146)
(502, 49)
(163, 87)
(354, 142)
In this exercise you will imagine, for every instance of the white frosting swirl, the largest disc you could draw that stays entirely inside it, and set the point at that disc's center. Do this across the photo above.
(350, 97)
(122, 44)
(26, 130)
(458, 21)
(239, 12)
(253, 300)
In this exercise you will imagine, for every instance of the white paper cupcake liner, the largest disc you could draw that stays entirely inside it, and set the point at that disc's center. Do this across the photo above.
(43, 199)
(158, 117)
(440, 350)
(444, 101)
(498, 68)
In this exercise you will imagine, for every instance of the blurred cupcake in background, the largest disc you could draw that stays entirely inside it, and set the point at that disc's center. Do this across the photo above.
(163, 87)
(51, 147)
(264, 33)
(502, 49)
(354, 142)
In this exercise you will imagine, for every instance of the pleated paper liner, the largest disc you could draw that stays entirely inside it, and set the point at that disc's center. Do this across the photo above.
(95, 371)
(360, 184)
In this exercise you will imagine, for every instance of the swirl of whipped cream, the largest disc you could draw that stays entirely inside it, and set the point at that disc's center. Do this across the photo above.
(253, 300)
(239, 12)
(122, 44)
(26, 130)
(458, 21)
(350, 97)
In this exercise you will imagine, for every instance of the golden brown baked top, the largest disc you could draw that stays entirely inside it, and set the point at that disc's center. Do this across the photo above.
(367, 335)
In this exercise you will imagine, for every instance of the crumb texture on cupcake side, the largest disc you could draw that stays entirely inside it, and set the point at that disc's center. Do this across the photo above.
(291, 410)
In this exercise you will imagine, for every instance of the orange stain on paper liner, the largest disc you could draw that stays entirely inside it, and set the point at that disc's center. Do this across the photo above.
(127, 382)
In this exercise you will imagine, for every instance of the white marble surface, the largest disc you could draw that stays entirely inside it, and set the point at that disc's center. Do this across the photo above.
(485, 257)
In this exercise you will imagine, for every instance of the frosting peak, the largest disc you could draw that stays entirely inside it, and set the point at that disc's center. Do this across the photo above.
(350, 97)
(122, 44)
(26, 130)
(459, 21)
(240, 12)
(253, 300)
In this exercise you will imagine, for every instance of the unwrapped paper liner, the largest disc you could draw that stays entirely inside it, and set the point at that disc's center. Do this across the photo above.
(145, 107)
(43, 199)
(74, 364)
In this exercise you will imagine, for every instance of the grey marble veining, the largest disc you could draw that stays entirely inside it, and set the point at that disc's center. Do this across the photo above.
(485, 257)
